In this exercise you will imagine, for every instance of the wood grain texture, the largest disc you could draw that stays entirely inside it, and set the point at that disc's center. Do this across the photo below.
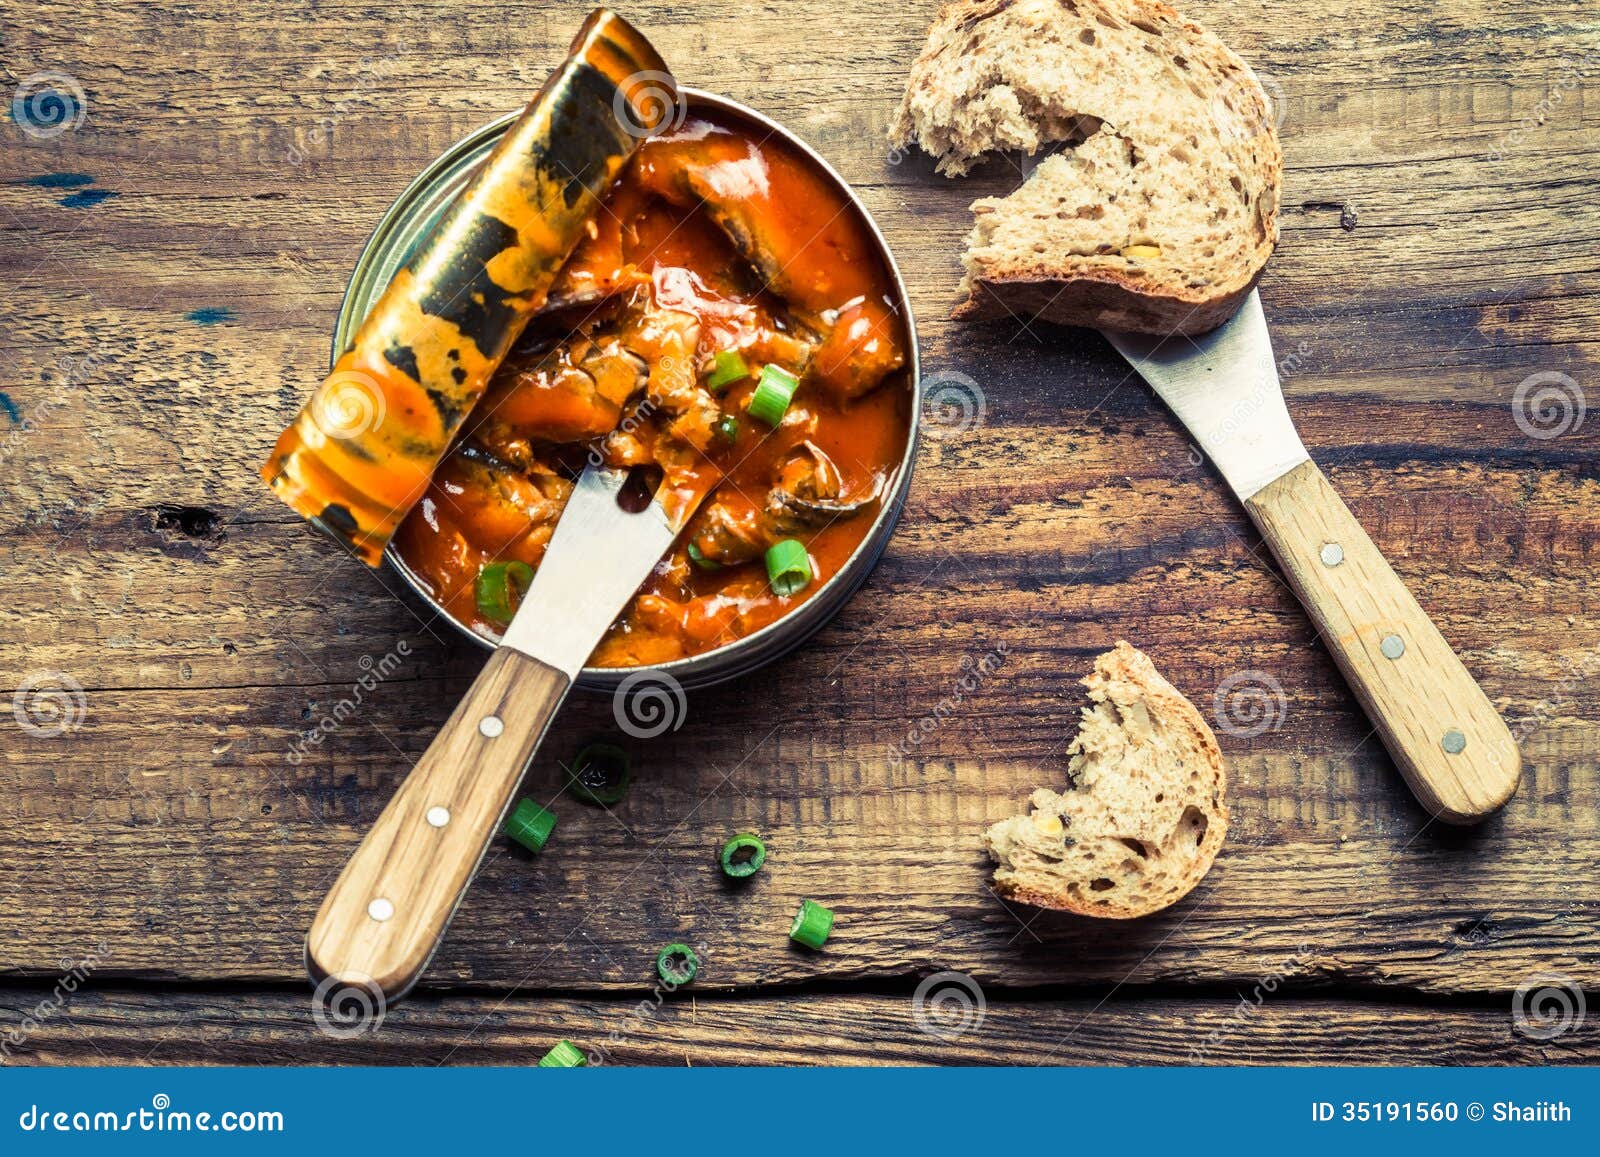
(1448, 740)
(1439, 247)
(1250, 1027)
(422, 851)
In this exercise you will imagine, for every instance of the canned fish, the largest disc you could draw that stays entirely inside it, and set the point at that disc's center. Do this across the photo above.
(424, 203)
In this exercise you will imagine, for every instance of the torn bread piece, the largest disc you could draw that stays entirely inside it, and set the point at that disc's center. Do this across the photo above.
(1160, 214)
(1144, 815)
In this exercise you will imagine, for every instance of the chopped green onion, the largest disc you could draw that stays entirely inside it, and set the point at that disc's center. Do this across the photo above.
(600, 773)
(565, 1055)
(530, 825)
(812, 923)
(501, 586)
(728, 428)
(774, 391)
(743, 855)
(788, 567)
(701, 561)
(677, 964)
(727, 367)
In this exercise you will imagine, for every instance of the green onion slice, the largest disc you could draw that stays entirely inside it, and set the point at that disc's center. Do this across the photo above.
(530, 825)
(677, 964)
(728, 428)
(774, 391)
(812, 923)
(788, 567)
(565, 1055)
(600, 773)
(701, 561)
(501, 586)
(743, 855)
(727, 367)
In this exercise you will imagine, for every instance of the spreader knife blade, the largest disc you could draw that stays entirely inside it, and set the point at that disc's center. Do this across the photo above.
(1449, 742)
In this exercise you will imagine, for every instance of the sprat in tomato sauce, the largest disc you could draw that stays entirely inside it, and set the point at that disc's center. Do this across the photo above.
(716, 252)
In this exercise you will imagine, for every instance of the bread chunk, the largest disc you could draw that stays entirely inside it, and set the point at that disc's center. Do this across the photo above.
(1162, 210)
(1144, 816)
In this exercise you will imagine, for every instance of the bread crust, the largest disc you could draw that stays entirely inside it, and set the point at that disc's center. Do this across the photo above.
(1100, 299)
(1124, 675)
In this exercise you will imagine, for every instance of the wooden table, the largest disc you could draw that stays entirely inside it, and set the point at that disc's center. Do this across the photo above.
(171, 269)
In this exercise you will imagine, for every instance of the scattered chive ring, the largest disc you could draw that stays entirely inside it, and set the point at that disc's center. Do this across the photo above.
(743, 855)
(600, 773)
(677, 964)
(774, 391)
(727, 367)
(530, 825)
(788, 567)
(701, 561)
(500, 588)
(565, 1055)
(812, 924)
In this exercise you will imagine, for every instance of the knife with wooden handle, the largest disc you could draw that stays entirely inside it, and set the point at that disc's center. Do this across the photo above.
(1449, 742)
(385, 915)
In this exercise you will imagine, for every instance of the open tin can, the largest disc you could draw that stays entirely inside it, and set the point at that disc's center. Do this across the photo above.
(415, 213)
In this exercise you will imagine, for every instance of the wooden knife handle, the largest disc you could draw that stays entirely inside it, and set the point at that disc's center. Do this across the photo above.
(379, 925)
(1449, 742)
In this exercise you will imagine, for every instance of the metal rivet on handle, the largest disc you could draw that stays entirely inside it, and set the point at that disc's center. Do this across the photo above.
(1454, 742)
(1332, 554)
(438, 816)
(490, 726)
(1392, 646)
(380, 909)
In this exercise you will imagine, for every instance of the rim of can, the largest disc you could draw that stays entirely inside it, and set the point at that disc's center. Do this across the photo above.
(390, 246)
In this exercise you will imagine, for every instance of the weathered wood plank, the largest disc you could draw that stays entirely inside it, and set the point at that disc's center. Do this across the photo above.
(143, 559)
(211, 865)
(121, 1027)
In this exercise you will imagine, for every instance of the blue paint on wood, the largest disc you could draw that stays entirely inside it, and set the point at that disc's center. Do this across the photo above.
(10, 408)
(210, 315)
(59, 180)
(86, 198)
